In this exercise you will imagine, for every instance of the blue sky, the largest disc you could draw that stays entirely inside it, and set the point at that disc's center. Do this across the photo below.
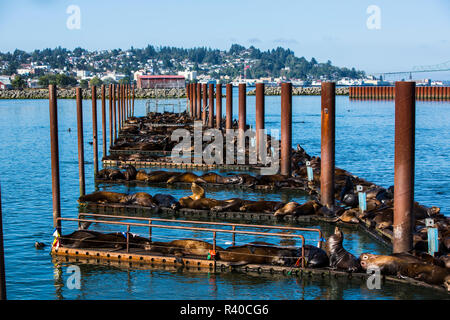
(412, 32)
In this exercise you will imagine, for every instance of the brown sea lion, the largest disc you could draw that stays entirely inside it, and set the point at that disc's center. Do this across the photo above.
(110, 174)
(296, 209)
(130, 172)
(384, 218)
(212, 177)
(183, 247)
(103, 196)
(426, 272)
(287, 209)
(339, 257)
(255, 253)
(140, 199)
(270, 179)
(94, 239)
(197, 192)
(349, 216)
(388, 264)
(262, 206)
(185, 177)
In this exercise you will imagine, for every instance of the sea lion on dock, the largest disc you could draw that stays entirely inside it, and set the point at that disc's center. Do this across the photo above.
(296, 209)
(428, 273)
(212, 177)
(185, 177)
(94, 239)
(388, 264)
(271, 179)
(110, 174)
(165, 200)
(103, 196)
(258, 253)
(130, 172)
(339, 257)
(140, 199)
(262, 206)
(183, 247)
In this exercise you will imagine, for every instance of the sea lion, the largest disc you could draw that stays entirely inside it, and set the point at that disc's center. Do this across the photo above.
(94, 239)
(388, 264)
(428, 273)
(384, 218)
(165, 200)
(339, 257)
(349, 216)
(197, 192)
(185, 177)
(262, 206)
(270, 179)
(183, 247)
(258, 253)
(155, 176)
(296, 209)
(140, 199)
(287, 209)
(315, 257)
(130, 172)
(212, 177)
(110, 174)
(103, 196)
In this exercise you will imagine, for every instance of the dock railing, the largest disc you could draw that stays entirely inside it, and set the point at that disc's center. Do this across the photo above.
(150, 223)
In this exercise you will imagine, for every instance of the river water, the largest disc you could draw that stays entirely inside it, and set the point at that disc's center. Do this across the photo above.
(364, 146)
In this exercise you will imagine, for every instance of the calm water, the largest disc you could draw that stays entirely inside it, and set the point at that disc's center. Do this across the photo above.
(365, 146)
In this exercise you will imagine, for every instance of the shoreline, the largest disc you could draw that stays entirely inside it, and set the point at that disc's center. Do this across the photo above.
(69, 93)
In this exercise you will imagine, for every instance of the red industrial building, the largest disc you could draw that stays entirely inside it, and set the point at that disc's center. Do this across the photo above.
(160, 82)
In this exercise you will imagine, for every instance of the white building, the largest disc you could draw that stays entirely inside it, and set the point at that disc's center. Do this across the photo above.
(188, 75)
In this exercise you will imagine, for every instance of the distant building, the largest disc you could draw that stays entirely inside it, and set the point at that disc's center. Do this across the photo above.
(160, 82)
(5, 83)
(189, 75)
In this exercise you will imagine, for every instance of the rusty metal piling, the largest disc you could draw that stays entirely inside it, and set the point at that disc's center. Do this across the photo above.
(229, 106)
(103, 90)
(94, 128)
(286, 128)
(327, 152)
(80, 141)
(54, 156)
(242, 120)
(205, 102)
(218, 106)
(405, 118)
(259, 114)
(211, 105)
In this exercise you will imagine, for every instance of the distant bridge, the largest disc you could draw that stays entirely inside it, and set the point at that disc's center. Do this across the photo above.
(445, 66)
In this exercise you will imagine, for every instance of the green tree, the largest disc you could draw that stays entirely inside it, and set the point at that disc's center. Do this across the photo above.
(124, 80)
(84, 84)
(18, 82)
(95, 81)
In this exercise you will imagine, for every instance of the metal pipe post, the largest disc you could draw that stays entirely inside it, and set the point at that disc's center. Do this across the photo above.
(259, 114)
(94, 128)
(286, 128)
(211, 106)
(55, 156)
(242, 122)
(80, 142)
(229, 106)
(405, 118)
(327, 150)
(219, 106)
